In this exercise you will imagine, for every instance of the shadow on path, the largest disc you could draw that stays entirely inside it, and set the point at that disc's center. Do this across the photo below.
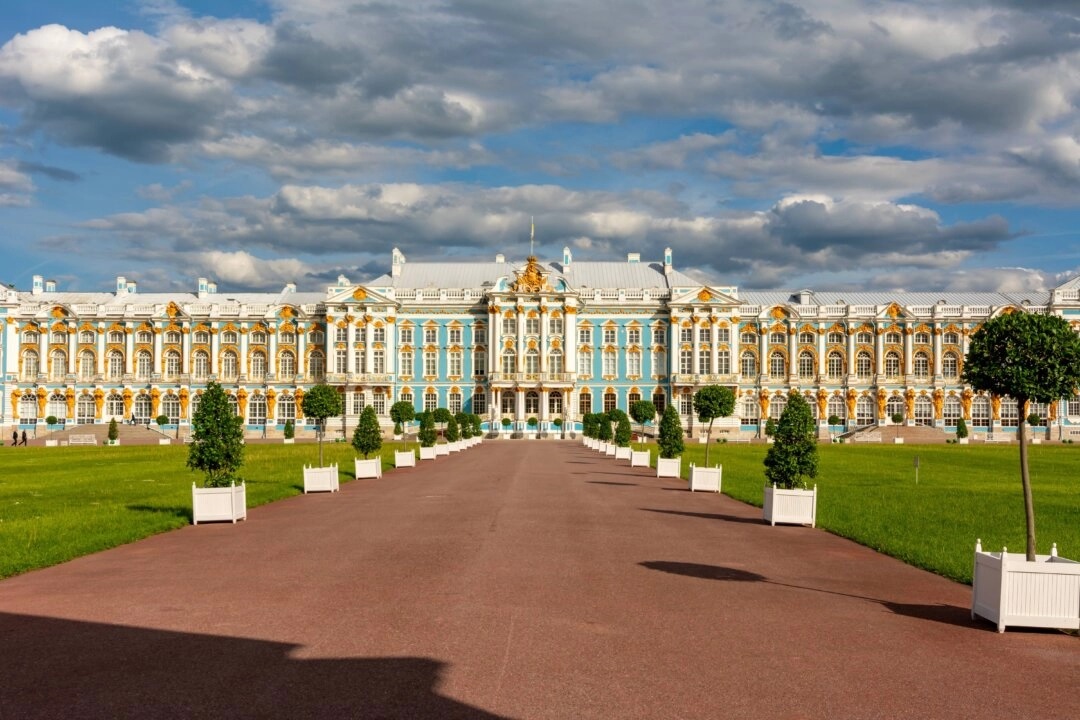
(947, 614)
(608, 482)
(68, 668)
(709, 516)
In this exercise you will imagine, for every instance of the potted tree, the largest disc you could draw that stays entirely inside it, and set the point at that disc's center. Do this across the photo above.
(961, 432)
(770, 430)
(506, 423)
(643, 411)
(558, 423)
(670, 444)
(217, 450)
(897, 418)
(622, 436)
(427, 436)
(710, 402)
(321, 402)
(531, 424)
(402, 413)
(453, 435)
(477, 427)
(791, 459)
(465, 429)
(441, 416)
(367, 439)
(162, 421)
(289, 432)
(1028, 357)
(113, 434)
(604, 433)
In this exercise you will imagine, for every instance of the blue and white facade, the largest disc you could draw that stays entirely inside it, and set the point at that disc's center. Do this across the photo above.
(513, 340)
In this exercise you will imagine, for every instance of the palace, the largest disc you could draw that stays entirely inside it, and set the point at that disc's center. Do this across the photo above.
(511, 342)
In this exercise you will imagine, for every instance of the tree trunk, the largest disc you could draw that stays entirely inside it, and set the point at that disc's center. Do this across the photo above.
(708, 441)
(1025, 480)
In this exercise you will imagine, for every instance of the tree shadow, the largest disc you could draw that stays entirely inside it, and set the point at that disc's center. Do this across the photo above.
(709, 516)
(945, 614)
(90, 670)
(609, 482)
(175, 510)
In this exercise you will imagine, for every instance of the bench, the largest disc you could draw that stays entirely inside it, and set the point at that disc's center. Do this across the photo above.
(82, 440)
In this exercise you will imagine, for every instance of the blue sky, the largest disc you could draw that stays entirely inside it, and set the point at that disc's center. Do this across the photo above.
(826, 143)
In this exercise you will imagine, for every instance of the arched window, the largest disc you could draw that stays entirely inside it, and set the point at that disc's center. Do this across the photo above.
(57, 406)
(57, 364)
(143, 365)
(609, 401)
(172, 365)
(555, 362)
(835, 365)
(229, 337)
(31, 367)
(777, 406)
(317, 365)
(952, 410)
(920, 364)
(806, 365)
(1010, 412)
(201, 337)
(555, 404)
(144, 337)
(807, 338)
(453, 403)
(584, 403)
(170, 407)
(286, 365)
(892, 364)
(234, 404)
(229, 366)
(172, 338)
(777, 365)
(894, 406)
(84, 410)
(837, 407)
(950, 366)
(431, 401)
(257, 371)
(924, 411)
(748, 364)
(28, 408)
(285, 408)
(532, 362)
(114, 406)
(864, 411)
(141, 409)
(749, 410)
(257, 409)
(864, 364)
(200, 365)
(116, 365)
(532, 403)
(980, 411)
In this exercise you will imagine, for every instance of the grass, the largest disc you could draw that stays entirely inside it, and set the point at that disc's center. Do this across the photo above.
(869, 494)
(60, 503)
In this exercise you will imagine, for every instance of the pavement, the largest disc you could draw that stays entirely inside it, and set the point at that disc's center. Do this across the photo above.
(518, 579)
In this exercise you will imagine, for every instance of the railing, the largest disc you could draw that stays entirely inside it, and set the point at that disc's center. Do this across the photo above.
(704, 379)
(357, 378)
(531, 377)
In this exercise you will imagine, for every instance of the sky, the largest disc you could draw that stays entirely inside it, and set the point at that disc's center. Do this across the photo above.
(829, 144)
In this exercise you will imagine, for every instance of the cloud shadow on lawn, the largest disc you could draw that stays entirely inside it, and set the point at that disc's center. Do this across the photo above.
(945, 614)
(71, 668)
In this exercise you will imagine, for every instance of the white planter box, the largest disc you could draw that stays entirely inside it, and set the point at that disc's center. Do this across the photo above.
(622, 453)
(1008, 590)
(164, 441)
(456, 446)
(668, 467)
(610, 449)
(639, 458)
(792, 507)
(289, 441)
(601, 446)
(443, 449)
(898, 441)
(404, 458)
(112, 442)
(321, 479)
(371, 468)
(428, 453)
(706, 479)
(52, 443)
(962, 441)
(227, 504)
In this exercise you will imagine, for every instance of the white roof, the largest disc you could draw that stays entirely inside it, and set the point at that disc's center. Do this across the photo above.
(578, 275)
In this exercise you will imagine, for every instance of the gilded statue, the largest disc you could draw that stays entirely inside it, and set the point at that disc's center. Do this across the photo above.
(99, 402)
(852, 399)
(271, 400)
(69, 398)
(530, 279)
(995, 407)
(155, 399)
(939, 403)
(127, 402)
(822, 402)
(184, 397)
(965, 402)
(42, 398)
(909, 402)
(882, 400)
(241, 401)
(763, 402)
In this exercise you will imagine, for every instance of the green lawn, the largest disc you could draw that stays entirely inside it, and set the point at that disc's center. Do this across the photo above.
(869, 494)
(59, 503)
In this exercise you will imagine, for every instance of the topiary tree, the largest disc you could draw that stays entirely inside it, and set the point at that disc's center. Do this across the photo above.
(506, 423)
(114, 430)
(622, 431)
(290, 429)
(442, 416)
(402, 413)
(453, 431)
(835, 420)
(642, 411)
(961, 429)
(162, 420)
(588, 425)
(897, 418)
(51, 420)
(1029, 357)
(531, 422)
(793, 455)
(603, 428)
(427, 434)
(464, 422)
(217, 438)
(367, 437)
(477, 425)
(558, 423)
(711, 402)
(321, 402)
(770, 427)
(670, 436)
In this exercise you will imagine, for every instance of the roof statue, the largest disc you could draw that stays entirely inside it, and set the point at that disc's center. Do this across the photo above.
(531, 279)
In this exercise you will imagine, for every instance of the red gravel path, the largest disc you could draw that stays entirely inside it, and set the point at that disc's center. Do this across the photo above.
(519, 580)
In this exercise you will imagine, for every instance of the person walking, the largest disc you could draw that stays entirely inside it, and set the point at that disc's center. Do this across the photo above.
(23, 438)
(14, 438)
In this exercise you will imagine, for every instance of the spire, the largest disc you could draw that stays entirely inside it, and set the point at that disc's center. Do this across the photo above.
(532, 235)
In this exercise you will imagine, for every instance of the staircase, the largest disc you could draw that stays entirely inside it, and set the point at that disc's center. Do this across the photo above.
(129, 435)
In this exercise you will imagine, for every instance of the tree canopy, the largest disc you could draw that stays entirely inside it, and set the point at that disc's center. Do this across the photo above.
(427, 434)
(793, 455)
(670, 438)
(711, 402)
(367, 438)
(321, 402)
(217, 438)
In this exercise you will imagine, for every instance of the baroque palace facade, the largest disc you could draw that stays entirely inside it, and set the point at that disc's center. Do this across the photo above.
(509, 340)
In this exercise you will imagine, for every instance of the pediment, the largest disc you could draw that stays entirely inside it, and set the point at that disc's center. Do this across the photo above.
(706, 296)
(358, 295)
(895, 311)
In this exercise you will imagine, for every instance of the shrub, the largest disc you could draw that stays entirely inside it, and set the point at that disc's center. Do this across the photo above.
(622, 431)
(442, 415)
(402, 413)
(557, 422)
(961, 429)
(603, 428)
(321, 402)
(217, 439)
(531, 422)
(114, 430)
(51, 420)
(453, 431)
(367, 437)
(427, 434)
(477, 423)
(162, 420)
(835, 420)
(588, 425)
(897, 418)
(770, 427)
(670, 438)
(1034, 420)
(642, 411)
(464, 422)
(507, 422)
(794, 454)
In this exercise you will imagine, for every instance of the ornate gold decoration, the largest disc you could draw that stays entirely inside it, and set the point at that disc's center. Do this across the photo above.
(99, 402)
(531, 279)
(155, 401)
(763, 402)
(909, 402)
(172, 310)
(359, 294)
(59, 312)
(995, 407)
(882, 399)
(852, 400)
(778, 313)
(127, 402)
(241, 401)
(184, 397)
(822, 402)
(938, 398)
(42, 398)
(894, 311)
(69, 399)
(965, 402)
(15, 395)
(704, 295)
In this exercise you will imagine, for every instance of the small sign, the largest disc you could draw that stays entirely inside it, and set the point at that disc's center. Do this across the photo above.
(916, 462)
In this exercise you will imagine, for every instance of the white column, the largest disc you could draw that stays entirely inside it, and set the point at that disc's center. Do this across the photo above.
(520, 339)
(129, 351)
(544, 404)
(271, 356)
(243, 364)
(879, 352)
(185, 349)
(763, 353)
(736, 350)
(696, 343)
(390, 349)
(822, 360)
(908, 344)
(43, 350)
(850, 353)
(301, 353)
(570, 341)
(937, 351)
(714, 330)
(793, 352)
(545, 318)
(73, 348)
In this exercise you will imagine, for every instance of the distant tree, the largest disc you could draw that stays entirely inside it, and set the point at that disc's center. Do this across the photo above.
(622, 431)
(1028, 357)
(961, 429)
(442, 415)
(588, 425)
(464, 421)
(290, 429)
(793, 455)
(402, 413)
(217, 438)
(477, 425)
(367, 438)
(770, 427)
(670, 436)
(711, 402)
(162, 420)
(558, 423)
(453, 431)
(427, 434)
(642, 411)
(114, 430)
(604, 432)
(835, 420)
(897, 418)
(321, 402)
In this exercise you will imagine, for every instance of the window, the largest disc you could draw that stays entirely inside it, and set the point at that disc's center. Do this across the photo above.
(834, 366)
(479, 363)
(555, 404)
(378, 361)
(479, 403)
(86, 365)
(406, 336)
(455, 336)
(777, 338)
(609, 401)
(144, 337)
(659, 336)
(835, 338)
(980, 411)
(952, 410)
(837, 407)
(532, 403)
(341, 334)
(584, 403)
(749, 411)
(456, 364)
(893, 338)
(633, 364)
(922, 338)
(686, 334)
(705, 335)
(723, 335)
(633, 336)
(532, 362)
(316, 337)
(480, 336)
(378, 401)
(864, 411)
(29, 337)
(924, 411)
(286, 365)
(704, 360)
(806, 365)
(431, 364)
(686, 404)
(584, 364)
(200, 365)
(341, 360)
(584, 336)
(1072, 406)
(317, 366)
(57, 406)
(748, 364)
(59, 338)
(921, 365)
(258, 337)
(507, 403)
(31, 366)
(1038, 409)
(864, 338)
(257, 409)
(431, 401)
(287, 337)
(406, 396)
(229, 337)
(257, 371)
(659, 401)
(777, 406)
(659, 363)
(229, 367)
(114, 405)
(28, 408)
(359, 399)
(807, 338)
(117, 336)
(894, 406)
(509, 326)
(1010, 413)
(116, 365)
(85, 410)
(172, 365)
(723, 362)
(58, 362)
(431, 336)
(286, 408)
(892, 364)
(453, 403)
(610, 366)
(405, 361)
(509, 362)
(777, 366)
(686, 362)
(950, 366)
(748, 338)
(556, 366)
(87, 337)
(532, 326)
(360, 360)
(555, 325)
(951, 338)
(864, 365)
(609, 336)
